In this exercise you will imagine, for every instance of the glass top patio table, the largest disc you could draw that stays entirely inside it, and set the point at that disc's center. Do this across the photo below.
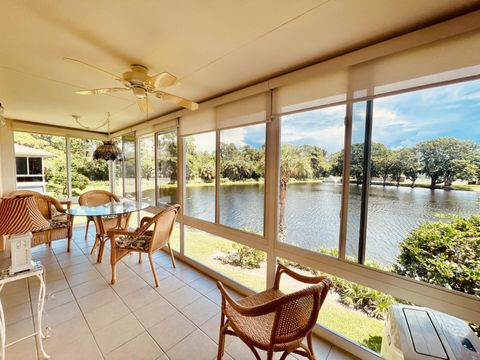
(108, 209)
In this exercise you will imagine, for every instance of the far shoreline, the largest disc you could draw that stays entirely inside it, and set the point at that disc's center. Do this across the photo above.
(458, 187)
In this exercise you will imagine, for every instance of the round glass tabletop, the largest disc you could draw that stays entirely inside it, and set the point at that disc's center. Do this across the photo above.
(111, 208)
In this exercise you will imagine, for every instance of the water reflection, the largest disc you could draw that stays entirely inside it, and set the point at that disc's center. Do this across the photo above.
(313, 213)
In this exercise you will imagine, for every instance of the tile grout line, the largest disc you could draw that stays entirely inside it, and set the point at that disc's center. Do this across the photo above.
(76, 299)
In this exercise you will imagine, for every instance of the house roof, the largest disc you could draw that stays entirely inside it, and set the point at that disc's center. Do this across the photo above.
(22, 150)
(213, 47)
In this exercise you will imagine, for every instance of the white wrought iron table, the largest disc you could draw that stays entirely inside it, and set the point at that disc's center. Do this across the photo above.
(5, 278)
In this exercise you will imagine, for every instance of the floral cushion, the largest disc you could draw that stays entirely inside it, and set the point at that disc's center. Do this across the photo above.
(56, 224)
(141, 242)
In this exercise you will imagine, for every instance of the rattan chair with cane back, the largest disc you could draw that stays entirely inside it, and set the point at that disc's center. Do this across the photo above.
(274, 321)
(103, 223)
(144, 240)
(60, 223)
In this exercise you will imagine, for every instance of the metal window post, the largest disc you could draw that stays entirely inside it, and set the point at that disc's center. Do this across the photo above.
(347, 155)
(69, 166)
(362, 239)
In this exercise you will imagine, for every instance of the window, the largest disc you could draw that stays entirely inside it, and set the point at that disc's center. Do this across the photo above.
(118, 170)
(21, 166)
(242, 154)
(35, 166)
(239, 262)
(167, 173)
(424, 154)
(200, 176)
(87, 174)
(355, 180)
(310, 179)
(32, 148)
(147, 167)
(129, 167)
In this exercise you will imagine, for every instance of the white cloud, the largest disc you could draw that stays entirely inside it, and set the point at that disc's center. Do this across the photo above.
(330, 138)
(205, 142)
(234, 136)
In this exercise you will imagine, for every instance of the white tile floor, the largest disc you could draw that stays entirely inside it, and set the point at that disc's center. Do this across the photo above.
(91, 319)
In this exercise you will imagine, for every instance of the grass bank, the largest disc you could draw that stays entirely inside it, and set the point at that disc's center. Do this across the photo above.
(206, 248)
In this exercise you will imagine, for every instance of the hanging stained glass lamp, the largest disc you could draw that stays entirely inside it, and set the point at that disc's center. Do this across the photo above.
(108, 150)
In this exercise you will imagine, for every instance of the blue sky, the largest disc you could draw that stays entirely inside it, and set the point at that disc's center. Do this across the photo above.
(399, 121)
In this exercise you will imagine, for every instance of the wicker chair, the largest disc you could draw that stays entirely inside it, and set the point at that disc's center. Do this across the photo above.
(143, 240)
(274, 321)
(103, 223)
(52, 210)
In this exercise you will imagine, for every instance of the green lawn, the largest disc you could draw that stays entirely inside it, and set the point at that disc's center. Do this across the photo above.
(355, 325)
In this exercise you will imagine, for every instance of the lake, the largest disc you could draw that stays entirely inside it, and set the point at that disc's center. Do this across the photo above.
(313, 213)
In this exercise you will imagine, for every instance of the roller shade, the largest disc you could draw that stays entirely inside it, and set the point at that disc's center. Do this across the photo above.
(250, 110)
(312, 92)
(197, 122)
(449, 59)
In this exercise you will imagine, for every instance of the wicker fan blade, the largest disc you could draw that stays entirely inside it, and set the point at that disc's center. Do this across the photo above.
(145, 105)
(100, 91)
(113, 76)
(162, 80)
(188, 104)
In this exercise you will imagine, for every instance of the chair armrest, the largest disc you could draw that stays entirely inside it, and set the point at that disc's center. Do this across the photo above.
(66, 202)
(303, 278)
(144, 220)
(114, 233)
(257, 310)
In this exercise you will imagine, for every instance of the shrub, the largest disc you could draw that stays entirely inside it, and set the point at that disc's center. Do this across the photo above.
(373, 302)
(444, 254)
(244, 256)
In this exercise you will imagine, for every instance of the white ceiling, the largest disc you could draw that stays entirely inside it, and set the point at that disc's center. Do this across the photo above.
(212, 46)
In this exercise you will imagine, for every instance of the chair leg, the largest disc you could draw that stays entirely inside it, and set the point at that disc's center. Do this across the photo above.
(95, 244)
(100, 250)
(257, 357)
(221, 339)
(114, 273)
(284, 356)
(152, 264)
(310, 345)
(139, 257)
(171, 255)
(69, 241)
(86, 229)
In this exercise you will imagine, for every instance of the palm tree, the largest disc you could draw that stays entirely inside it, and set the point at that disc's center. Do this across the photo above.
(293, 165)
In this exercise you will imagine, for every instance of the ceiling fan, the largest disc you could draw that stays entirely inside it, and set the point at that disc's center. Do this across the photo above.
(141, 84)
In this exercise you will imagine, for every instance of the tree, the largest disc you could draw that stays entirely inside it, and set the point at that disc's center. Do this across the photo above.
(381, 161)
(444, 254)
(318, 162)
(405, 162)
(356, 163)
(167, 155)
(240, 164)
(293, 165)
(438, 157)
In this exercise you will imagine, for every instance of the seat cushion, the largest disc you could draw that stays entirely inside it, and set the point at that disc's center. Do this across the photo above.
(141, 242)
(56, 224)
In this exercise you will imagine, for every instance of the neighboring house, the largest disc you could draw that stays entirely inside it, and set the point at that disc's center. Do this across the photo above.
(29, 168)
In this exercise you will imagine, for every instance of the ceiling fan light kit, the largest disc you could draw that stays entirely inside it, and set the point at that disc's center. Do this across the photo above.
(141, 83)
